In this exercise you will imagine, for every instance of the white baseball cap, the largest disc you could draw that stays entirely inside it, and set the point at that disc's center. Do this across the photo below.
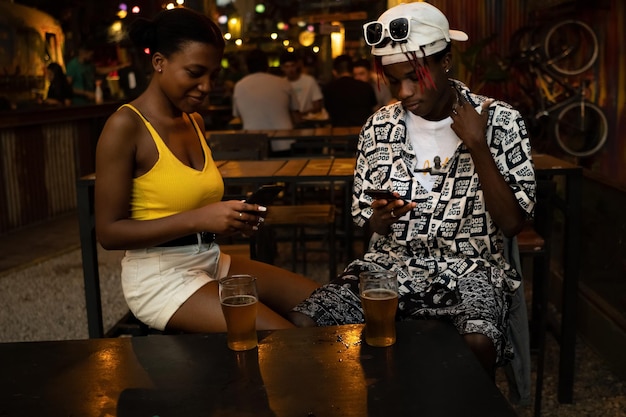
(412, 27)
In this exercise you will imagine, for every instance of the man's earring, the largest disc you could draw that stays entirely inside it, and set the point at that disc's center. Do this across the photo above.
(159, 69)
(447, 70)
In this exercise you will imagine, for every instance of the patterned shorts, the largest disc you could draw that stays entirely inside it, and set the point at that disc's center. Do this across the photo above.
(476, 306)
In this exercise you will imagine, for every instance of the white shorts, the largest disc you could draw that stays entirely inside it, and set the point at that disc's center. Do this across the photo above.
(157, 281)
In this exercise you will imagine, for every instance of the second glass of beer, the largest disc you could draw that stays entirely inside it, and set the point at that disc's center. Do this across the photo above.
(379, 298)
(238, 296)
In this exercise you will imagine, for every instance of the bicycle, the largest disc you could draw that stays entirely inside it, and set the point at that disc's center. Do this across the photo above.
(546, 60)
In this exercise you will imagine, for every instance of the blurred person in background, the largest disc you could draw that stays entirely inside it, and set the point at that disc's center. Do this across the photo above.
(59, 91)
(81, 74)
(306, 88)
(265, 101)
(349, 102)
(363, 71)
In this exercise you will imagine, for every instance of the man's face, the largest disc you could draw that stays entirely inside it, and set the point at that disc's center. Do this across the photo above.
(361, 73)
(85, 55)
(291, 70)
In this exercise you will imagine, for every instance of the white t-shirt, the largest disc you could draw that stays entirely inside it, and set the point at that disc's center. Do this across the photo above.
(307, 91)
(263, 102)
(430, 139)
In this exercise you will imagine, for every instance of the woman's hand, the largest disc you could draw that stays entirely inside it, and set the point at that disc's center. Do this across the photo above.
(387, 212)
(233, 216)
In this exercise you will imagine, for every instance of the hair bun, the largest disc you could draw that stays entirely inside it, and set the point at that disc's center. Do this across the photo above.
(142, 33)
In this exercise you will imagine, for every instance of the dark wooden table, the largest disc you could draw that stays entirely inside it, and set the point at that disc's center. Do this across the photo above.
(288, 170)
(322, 372)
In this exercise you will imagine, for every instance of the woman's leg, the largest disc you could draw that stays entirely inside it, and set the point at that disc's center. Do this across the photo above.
(279, 291)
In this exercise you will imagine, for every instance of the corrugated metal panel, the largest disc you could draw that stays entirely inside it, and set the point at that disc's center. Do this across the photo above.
(10, 214)
(60, 167)
(39, 173)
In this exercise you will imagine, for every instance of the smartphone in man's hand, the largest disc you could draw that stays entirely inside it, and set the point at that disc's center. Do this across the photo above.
(381, 194)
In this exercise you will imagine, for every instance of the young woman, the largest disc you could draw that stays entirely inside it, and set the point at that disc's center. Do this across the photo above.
(59, 90)
(158, 191)
(461, 167)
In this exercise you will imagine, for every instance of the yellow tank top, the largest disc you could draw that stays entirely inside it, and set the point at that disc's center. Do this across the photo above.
(170, 186)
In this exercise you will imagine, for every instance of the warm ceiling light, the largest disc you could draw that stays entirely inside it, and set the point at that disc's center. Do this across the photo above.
(274, 35)
(222, 19)
(227, 36)
(238, 42)
(170, 6)
(136, 9)
(260, 8)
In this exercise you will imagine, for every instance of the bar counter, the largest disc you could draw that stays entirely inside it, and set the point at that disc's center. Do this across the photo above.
(43, 150)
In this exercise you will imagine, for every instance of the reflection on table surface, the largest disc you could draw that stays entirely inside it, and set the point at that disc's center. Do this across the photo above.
(324, 371)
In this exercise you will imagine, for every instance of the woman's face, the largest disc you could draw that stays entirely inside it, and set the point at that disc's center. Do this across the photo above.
(187, 76)
(419, 95)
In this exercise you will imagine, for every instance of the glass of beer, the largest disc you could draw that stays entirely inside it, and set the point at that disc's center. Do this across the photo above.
(238, 296)
(379, 298)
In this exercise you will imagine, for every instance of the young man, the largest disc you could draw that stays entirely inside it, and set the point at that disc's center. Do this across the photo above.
(443, 234)
(306, 88)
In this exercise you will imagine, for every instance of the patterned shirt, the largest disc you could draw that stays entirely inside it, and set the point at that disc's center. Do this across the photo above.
(450, 233)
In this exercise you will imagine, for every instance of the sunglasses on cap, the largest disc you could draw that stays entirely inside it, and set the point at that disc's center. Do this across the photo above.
(398, 29)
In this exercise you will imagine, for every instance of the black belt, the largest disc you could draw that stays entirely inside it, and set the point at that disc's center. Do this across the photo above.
(205, 237)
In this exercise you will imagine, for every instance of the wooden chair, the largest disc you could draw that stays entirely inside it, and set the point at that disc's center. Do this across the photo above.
(299, 218)
(128, 325)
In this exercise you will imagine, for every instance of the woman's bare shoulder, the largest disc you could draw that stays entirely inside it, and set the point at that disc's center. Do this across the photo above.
(123, 125)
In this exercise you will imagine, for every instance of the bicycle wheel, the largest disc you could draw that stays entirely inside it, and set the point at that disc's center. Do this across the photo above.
(571, 47)
(581, 129)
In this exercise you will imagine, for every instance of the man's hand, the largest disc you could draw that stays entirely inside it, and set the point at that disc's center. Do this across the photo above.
(387, 212)
(470, 125)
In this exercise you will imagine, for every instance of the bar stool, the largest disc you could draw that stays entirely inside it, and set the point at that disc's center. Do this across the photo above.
(536, 245)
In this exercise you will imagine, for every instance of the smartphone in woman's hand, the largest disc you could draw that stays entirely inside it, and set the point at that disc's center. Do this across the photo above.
(265, 195)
